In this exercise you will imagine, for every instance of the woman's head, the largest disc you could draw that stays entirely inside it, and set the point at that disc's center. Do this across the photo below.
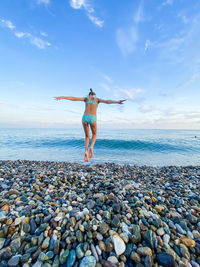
(91, 93)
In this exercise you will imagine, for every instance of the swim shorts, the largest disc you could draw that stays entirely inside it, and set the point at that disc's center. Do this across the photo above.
(89, 118)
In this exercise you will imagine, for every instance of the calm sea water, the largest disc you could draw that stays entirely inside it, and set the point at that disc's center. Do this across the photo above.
(139, 147)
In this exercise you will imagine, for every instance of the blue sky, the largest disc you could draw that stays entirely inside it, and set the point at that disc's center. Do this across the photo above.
(146, 51)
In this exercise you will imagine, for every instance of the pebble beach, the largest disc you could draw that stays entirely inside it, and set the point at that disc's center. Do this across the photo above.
(69, 214)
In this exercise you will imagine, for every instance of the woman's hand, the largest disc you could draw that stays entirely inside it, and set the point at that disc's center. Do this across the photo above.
(121, 101)
(58, 97)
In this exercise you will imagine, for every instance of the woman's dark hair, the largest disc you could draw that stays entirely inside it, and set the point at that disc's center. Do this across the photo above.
(91, 92)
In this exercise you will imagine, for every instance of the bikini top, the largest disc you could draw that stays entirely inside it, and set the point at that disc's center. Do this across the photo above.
(91, 101)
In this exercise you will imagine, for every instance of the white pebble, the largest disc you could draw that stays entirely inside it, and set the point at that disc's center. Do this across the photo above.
(98, 250)
(99, 217)
(94, 227)
(113, 259)
(88, 253)
(119, 244)
(17, 221)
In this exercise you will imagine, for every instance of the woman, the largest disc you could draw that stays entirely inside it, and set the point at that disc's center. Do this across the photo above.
(90, 117)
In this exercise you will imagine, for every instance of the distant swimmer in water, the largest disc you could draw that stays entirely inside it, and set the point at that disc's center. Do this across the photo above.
(90, 117)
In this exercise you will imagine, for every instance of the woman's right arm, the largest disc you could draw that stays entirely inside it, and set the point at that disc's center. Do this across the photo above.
(70, 98)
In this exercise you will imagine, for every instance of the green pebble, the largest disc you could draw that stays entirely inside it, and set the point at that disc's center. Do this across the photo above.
(56, 246)
(56, 261)
(43, 257)
(50, 254)
(79, 236)
(88, 261)
(72, 258)
(63, 256)
(25, 257)
(46, 264)
(79, 251)
(31, 250)
(26, 227)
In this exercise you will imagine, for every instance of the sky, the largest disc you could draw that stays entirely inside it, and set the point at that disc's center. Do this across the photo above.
(145, 51)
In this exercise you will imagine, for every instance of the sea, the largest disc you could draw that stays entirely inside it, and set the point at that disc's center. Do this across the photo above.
(121, 146)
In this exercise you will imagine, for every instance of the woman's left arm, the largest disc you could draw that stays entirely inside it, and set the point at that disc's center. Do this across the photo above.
(70, 98)
(111, 101)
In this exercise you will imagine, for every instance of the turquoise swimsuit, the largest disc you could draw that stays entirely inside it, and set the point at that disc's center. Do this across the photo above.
(87, 117)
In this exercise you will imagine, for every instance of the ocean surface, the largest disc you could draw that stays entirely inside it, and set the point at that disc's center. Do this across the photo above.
(135, 147)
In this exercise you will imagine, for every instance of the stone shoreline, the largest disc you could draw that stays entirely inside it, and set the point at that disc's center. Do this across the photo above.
(68, 214)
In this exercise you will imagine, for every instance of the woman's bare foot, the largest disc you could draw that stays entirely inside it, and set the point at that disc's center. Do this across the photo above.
(86, 156)
(91, 152)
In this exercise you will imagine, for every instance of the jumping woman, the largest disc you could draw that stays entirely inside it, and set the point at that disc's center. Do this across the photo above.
(90, 117)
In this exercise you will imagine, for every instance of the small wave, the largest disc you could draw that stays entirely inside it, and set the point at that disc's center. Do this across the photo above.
(112, 144)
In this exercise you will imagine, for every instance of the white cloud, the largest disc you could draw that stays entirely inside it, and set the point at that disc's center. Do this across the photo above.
(8, 24)
(191, 79)
(95, 20)
(145, 108)
(175, 116)
(44, 34)
(21, 34)
(38, 42)
(183, 47)
(127, 39)
(184, 19)
(107, 78)
(105, 87)
(147, 44)
(130, 94)
(74, 111)
(168, 2)
(172, 44)
(78, 4)
(138, 17)
(45, 2)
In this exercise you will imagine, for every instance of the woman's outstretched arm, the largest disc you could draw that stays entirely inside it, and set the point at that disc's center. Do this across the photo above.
(70, 98)
(111, 101)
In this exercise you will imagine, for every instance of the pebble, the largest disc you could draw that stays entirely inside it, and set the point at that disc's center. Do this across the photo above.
(88, 261)
(113, 259)
(71, 258)
(45, 243)
(166, 260)
(119, 244)
(188, 241)
(103, 228)
(14, 261)
(2, 241)
(180, 229)
(3, 216)
(15, 244)
(94, 252)
(135, 257)
(63, 256)
(144, 251)
(160, 231)
(68, 214)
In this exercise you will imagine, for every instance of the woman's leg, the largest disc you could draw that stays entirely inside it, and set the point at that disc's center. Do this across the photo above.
(93, 127)
(87, 139)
